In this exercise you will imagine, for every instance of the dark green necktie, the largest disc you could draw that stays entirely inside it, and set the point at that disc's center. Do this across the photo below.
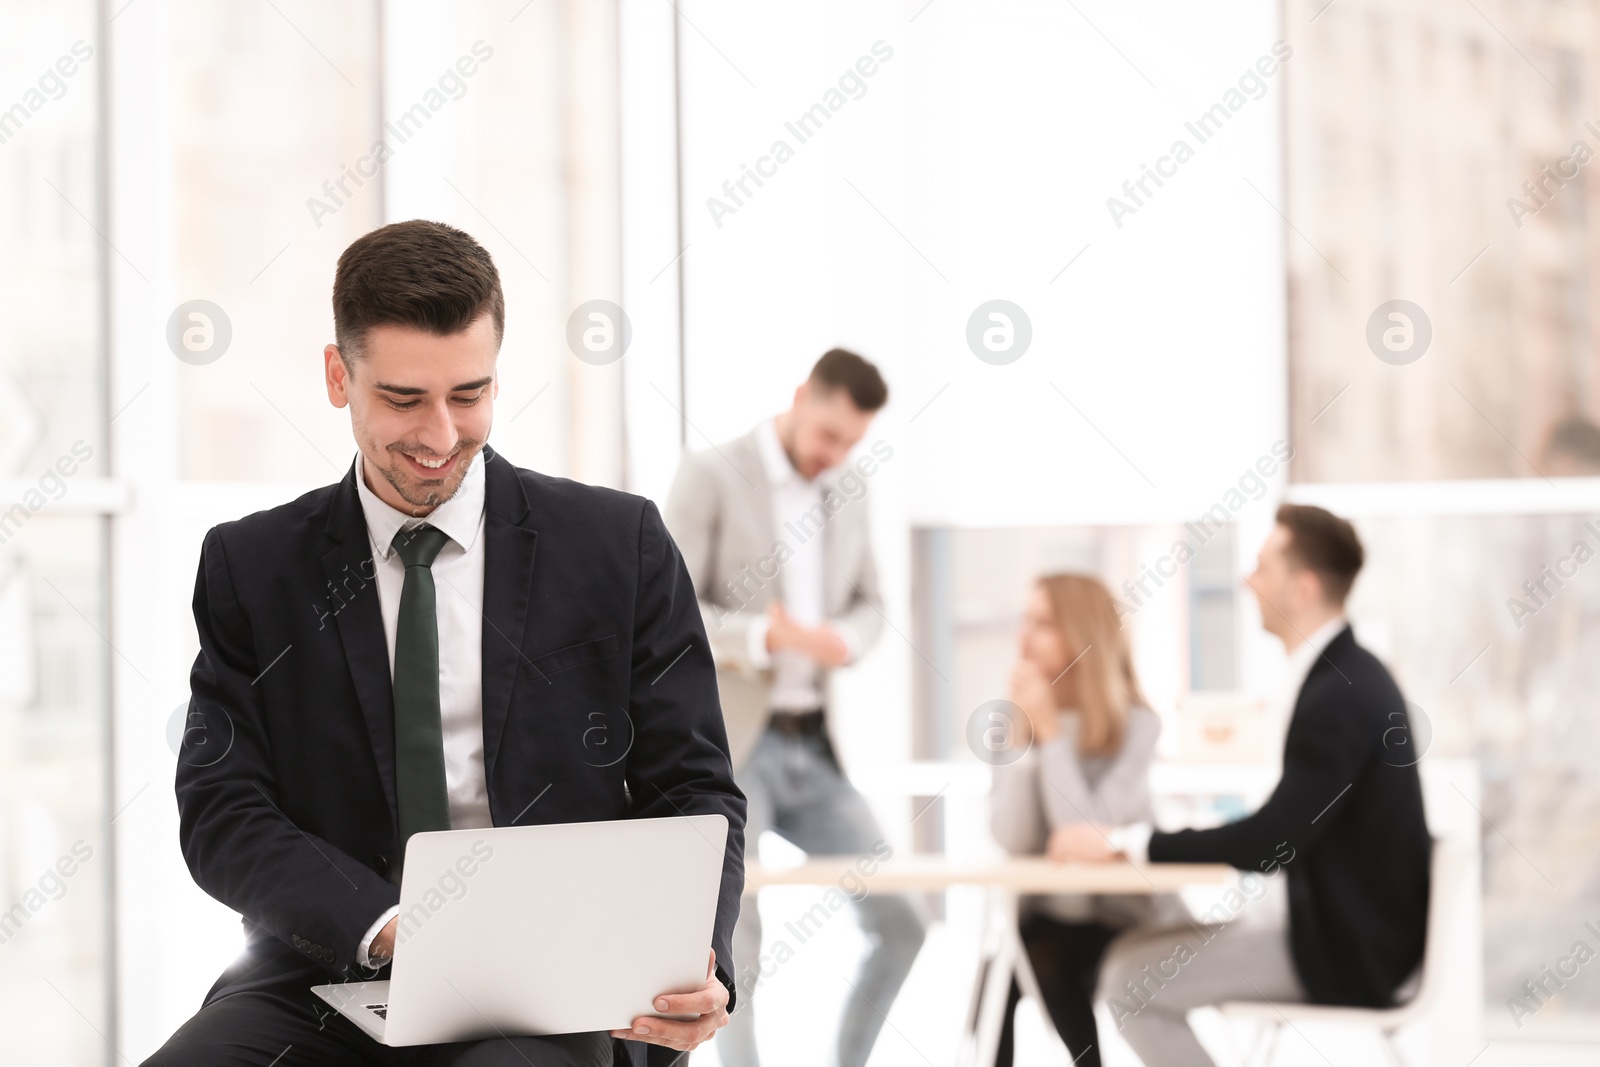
(418, 734)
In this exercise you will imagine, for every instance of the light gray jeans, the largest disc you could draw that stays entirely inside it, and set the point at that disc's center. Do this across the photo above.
(1152, 978)
(793, 786)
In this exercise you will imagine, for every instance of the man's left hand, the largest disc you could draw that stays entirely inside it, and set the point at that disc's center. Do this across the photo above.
(826, 647)
(1081, 842)
(709, 1002)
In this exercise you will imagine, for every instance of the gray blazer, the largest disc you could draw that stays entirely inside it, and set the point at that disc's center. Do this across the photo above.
(720, 514)
(1052, 785)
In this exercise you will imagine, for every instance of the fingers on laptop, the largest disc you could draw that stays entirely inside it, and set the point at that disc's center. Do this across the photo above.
(707, 1002)
(682, 1036)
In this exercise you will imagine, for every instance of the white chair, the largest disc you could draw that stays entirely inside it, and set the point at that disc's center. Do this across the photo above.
(1451, 861)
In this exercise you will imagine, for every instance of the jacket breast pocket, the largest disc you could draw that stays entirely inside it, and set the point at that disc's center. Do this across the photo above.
(547, 664)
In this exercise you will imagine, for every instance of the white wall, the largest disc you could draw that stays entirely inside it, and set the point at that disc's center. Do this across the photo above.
(976, 166)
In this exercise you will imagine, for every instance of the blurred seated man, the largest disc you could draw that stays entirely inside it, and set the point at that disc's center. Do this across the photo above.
(1086, 737)
(1345, 821)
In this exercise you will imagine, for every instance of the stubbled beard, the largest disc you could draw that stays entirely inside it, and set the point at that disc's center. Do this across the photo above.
(432, 497)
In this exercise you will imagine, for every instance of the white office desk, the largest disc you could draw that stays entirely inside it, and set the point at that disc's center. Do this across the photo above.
(1004, 880)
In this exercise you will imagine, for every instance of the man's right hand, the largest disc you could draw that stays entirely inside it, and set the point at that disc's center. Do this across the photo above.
(382, 947)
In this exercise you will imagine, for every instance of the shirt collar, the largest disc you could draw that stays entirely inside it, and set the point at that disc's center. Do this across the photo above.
(459, 517)
(774, 460)
(1303, 657)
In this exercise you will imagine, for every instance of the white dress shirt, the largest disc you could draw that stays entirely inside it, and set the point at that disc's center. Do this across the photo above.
(1305, 655)
(458, 584)
(1133, 840)
(794, 686)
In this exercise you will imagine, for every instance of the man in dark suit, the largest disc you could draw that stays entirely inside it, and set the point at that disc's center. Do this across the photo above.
(1345, 822)
(440, 640)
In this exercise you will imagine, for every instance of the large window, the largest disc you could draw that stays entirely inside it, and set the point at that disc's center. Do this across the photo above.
(273, 110)
(1441, 265)
(1491, 621)
(169, 226)
(55, 851)
(1441, 257)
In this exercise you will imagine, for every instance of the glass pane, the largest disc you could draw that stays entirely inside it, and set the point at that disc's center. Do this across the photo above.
(1177, 608)
(1440, 268)
(54, 830)
(1489, 623)
(274, 106)
(50, 382)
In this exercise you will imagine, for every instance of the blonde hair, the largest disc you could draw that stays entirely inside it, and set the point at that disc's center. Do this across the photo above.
(1107, 687)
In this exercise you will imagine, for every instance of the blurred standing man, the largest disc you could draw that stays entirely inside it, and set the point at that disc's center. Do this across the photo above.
(775, 537)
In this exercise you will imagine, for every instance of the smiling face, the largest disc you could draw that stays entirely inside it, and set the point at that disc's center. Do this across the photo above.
(420, 408)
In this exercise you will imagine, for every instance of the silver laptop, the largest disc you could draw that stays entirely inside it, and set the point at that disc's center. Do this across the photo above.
(522, 930)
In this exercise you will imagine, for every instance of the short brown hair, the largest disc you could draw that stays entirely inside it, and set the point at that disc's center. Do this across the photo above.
(421, 274)
(1326, 545)
(842, 369)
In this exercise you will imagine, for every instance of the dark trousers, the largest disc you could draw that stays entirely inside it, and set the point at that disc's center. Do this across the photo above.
(293, 1028)
(1066, 961)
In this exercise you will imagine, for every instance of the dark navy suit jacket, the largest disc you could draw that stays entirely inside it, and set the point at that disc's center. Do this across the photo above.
(1346, 822)
(599, 702)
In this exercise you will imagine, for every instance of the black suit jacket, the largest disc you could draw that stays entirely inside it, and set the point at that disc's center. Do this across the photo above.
(1346, 823)
(285, 780)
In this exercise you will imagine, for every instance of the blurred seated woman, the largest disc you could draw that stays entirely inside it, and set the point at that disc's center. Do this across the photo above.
(1086, 739)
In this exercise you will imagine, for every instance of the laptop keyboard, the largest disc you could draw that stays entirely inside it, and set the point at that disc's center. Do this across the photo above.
(380, 1010)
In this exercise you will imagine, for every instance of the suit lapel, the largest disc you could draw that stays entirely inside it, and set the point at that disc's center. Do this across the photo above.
(747, 461)
(352, 576)
(507, 586)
